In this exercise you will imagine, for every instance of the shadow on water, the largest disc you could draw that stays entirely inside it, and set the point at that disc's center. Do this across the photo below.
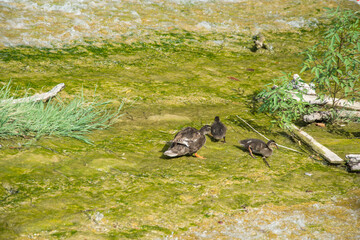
(253, 49)
(241, 148)
(165, 147)
(246, 151)
(356, 134)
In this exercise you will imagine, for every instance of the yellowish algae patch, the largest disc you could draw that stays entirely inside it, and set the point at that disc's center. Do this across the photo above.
(169, 117)
(342, 138)
(122, 187)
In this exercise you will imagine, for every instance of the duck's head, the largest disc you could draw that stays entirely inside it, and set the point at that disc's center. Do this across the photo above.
(205, 129)
(272, 144)
(217, 119)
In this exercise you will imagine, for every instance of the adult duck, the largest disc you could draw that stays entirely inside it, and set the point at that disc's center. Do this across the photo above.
(188, 141)
(259, 147)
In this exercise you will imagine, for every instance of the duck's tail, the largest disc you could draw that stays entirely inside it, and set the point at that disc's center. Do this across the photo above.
(170, 153)
(176, 150)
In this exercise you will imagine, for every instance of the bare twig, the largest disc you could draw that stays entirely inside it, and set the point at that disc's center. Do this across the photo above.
(266, 137)
(252, 128)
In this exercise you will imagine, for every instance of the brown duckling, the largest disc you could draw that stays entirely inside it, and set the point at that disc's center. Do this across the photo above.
(218, 130)
(259, 41)
(259, 147)
(188, 141)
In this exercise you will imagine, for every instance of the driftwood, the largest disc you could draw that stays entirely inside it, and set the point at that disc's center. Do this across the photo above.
(317, 116)
(316, 146)
(314, 99)
(326, 115)
(309, 95)
(353, 162)
(37, 97)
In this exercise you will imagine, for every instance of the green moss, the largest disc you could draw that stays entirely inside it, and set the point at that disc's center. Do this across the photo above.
(66, 234)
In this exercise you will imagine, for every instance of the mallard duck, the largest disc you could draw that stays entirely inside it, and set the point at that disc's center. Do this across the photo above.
(259, 147)
(218, 129)
(188, 141)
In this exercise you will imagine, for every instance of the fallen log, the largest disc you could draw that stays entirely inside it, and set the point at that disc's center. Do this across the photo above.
(313, 99)
(37, 97)
(317, 116)
(327, 115)
(353, 162)
(328, 155)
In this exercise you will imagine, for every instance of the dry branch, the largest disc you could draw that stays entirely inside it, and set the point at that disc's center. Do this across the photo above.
(37, 97)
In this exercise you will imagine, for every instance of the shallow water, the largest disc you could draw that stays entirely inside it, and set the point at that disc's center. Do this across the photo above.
(54, 23)
(338, 219)
(170, 63)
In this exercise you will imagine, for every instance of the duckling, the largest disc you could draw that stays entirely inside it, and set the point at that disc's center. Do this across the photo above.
(188, 141)
(259, 147)
(259, 41)
(218, 130)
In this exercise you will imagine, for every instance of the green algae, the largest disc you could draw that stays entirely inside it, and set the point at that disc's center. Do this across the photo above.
(122, 187)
